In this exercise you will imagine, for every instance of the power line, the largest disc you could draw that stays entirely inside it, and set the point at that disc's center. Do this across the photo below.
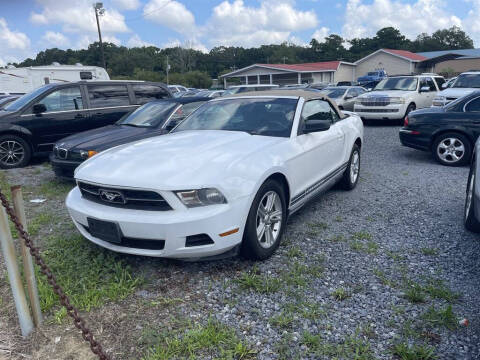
(148, 13)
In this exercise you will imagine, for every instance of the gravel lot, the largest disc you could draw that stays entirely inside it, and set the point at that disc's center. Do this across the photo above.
(358, 272)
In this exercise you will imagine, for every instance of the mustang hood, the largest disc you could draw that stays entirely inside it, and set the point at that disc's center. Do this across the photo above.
(183, 160)
(104, 137)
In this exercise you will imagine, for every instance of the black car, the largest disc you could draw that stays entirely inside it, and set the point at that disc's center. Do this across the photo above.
(34, 122)
(449, 132)
(152, 119)
(5, 100)
(471, 214)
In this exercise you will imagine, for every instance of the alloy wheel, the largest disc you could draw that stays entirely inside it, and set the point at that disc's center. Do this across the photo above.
(11, 152)
(451, 150)
(269, 219)
(354, 167)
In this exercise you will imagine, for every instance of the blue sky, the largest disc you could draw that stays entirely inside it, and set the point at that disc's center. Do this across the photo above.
(29, 26)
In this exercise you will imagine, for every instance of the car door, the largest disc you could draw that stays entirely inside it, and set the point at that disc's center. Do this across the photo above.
(108, 103)
(349, 99)
(148, 92)
(426, 98)
(472, 116)
(322, 151)
(64, 115)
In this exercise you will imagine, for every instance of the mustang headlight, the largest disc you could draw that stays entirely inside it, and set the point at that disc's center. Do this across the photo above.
(397, 100)
(201, 197)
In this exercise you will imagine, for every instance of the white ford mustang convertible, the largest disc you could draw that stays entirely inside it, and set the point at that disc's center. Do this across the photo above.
(223, 181)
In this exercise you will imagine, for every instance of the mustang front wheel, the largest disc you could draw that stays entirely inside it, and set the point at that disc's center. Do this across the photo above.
(352, 173)
(266, 222)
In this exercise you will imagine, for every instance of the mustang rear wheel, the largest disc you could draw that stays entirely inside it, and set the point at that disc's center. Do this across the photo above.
(452, 149)
(14, 152)
(469, 219)
(266, 222)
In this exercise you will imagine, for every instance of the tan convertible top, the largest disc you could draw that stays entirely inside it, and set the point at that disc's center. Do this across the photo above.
(307, 95)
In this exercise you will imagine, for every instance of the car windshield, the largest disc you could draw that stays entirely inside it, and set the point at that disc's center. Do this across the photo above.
(398, 83)
(256, 116)
(25, 99)
(334, 93)
(467, 81)
(373, 73)
(149, 115)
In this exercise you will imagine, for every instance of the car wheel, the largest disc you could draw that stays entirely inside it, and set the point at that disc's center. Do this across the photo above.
(452, 149)
(410, 108)
(14, 152)
(266, 222)
(352, 173)
(469, 219)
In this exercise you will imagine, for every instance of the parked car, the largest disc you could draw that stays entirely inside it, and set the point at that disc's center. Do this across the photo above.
(471, 214)
(34, 122)
(394, 97)
(376, 75)
(449, 83)
(347, 83)
(344, 96)
(223, 181)
(318, 86)
(369, 86)
(7, 99)
(211, 93)
(176, 88)
(244, 88)
(152, 119)
(449, 132)
(465, 83)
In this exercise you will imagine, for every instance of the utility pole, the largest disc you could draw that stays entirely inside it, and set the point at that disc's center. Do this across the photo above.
(168, 69)
(100, 11)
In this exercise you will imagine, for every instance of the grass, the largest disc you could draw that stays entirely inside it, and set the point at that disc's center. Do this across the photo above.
(264, 284)
(370, 247)
(39, 221)
(429, 251)
(55, 189)
(198, 341)
(89, 275)
(361, 235)
(437, 289)
(315, 228)
(352, 348)
(294, 252)
(404, 351)
(384, 279)
(395, 255)
(284, 320)
(340, 294)
(414, 293)
(337, 238)
(443, 317)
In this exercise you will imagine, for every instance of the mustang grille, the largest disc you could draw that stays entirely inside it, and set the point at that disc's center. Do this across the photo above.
(124, 198)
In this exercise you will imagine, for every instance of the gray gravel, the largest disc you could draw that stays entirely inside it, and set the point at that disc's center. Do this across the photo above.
(405, 202)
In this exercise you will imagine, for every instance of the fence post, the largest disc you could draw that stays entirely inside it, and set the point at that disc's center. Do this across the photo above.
(8, 249)
(28, 270)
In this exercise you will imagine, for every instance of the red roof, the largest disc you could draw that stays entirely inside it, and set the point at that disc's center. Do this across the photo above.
(406, 54)
(318, 66)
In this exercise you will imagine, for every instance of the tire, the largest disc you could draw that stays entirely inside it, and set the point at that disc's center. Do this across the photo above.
(261, 248)
(14, 152)
(452, 149)
(352, 173)
(411, 107)
(469, 220)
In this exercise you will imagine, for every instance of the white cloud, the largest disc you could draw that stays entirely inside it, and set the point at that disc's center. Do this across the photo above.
(472, 21)
(234, 23)
(189, 44)
(136, 41)
(12, 39)
(411, 19)
(321, 34)
(85, 40)
(127, 4)
(77, 16)
(56, 39)
(171, 14)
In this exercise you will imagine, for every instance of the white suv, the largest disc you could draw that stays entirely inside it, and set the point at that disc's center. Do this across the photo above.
(396, 96)
(465, 83)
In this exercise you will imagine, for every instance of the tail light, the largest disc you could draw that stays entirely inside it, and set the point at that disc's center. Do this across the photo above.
(405, 122)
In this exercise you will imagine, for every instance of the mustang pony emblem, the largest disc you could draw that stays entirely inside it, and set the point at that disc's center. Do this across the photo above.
(112, 196)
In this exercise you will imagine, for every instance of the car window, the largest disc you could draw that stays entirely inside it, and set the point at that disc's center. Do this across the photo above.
(473, 105)
(431, 84)
(108, 95)
(65, 99)
(186, 109)
(145, 93)
(440, 81)
(151, 114)
(352, 93)
(360, 91)
(318, 110)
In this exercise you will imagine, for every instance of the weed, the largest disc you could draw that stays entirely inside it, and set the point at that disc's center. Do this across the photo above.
(353, 347)
(283, 320)
(441, 317)
(338, 219)
(337, 238)
(438, 290)
(340, 294)
(264, 284)
(429, 251)
(384, 279)
(294, 252)
(361, 235)
(414, 352)
(39, 221)
(414, 294)
(55, 189)
(395, 255)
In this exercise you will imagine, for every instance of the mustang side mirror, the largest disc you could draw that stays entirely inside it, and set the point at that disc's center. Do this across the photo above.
(39, 108)
(316, 126)
(424, 89)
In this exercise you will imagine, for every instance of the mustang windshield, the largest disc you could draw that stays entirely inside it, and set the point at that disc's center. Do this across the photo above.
(467, 81)
(398, 83)
(149, 115)
(257, 116)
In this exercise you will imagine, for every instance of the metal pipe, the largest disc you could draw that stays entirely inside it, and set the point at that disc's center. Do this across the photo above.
(8, 249)
(28, 270)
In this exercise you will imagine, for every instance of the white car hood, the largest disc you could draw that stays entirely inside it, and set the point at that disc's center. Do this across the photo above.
(391, 93)
(456, 92)
(182, 160)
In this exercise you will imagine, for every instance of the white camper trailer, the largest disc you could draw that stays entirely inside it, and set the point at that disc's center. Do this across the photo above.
(23, 80)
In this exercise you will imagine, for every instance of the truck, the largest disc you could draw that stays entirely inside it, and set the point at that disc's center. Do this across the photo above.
(19, 81)
(376, 75)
